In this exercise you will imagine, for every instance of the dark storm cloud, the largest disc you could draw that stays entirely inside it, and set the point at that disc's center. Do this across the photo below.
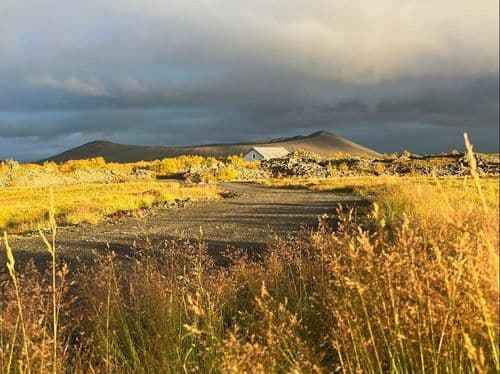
(153, 72)
(218, 113)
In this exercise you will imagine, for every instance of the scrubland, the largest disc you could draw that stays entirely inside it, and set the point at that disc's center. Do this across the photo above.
(97, 170)
(412, 286)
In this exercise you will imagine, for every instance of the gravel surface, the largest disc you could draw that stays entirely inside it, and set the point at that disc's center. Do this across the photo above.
(248, 221)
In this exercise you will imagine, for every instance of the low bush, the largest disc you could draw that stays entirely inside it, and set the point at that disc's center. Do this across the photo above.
(91, 163)
(226, 174)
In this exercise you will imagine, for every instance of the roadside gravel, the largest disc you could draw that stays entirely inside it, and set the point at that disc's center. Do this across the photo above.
(248, 221)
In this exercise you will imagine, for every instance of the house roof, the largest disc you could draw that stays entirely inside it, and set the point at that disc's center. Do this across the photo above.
(271, 152)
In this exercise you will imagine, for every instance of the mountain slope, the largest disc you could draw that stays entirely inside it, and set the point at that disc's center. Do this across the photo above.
(321, 142)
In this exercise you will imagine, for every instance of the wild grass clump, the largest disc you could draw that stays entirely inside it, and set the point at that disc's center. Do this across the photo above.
(366, 186)
(31, 307)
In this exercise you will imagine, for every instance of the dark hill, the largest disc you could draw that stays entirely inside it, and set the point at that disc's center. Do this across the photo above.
(321, 142)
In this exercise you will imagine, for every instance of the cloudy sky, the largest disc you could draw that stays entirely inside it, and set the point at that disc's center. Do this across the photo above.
(390, 74)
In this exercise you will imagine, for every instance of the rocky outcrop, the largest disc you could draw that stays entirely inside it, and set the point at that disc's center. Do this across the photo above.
(308, 165)
(297, 164)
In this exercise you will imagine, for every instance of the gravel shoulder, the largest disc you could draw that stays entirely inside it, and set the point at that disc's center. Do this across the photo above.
(247, 221)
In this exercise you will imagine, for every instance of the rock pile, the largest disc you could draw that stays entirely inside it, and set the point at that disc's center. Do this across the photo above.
(220, 171)
(486, 164)
(308, 165)
(442, 165)
(245, 174)
(202, 173)
(297, 164)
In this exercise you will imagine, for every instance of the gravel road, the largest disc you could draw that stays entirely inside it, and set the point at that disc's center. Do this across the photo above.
(247, 221)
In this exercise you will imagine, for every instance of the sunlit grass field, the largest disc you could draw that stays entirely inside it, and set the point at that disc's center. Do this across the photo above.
(26, 208)
(412, 286)
(372, 185)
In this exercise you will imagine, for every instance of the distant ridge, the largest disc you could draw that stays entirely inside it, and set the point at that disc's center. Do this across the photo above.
(321, 142)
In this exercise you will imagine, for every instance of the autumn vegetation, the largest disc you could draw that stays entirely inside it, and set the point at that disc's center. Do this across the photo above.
(88, 191)
(410, 286)
(97, 170)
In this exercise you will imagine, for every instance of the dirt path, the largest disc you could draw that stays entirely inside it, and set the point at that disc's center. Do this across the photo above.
(246, 221)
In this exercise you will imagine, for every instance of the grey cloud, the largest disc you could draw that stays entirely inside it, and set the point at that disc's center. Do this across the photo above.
(349, 41)
(180, 72)
(474, 102)
(136, 127)
(72, 85)
(256, 107)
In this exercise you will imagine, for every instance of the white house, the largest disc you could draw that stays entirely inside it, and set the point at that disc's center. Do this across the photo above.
(265, 153)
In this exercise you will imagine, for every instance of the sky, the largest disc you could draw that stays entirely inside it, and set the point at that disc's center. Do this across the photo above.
(390, 74)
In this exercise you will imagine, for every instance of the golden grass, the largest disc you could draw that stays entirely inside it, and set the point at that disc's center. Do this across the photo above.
(26, 208)
(364, 185)
(373, 185)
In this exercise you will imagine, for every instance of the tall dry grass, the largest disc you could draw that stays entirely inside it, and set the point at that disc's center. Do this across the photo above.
(412, 288)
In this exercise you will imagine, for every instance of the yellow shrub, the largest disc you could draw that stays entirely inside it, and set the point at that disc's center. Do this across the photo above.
(91, 163)
(236, 161)
(174, 165)
(210, 161)
(3, 167)
(343, 167)
(169, 166)
(379, 168)
(51, 166)
(227, 173)
(123, 168)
